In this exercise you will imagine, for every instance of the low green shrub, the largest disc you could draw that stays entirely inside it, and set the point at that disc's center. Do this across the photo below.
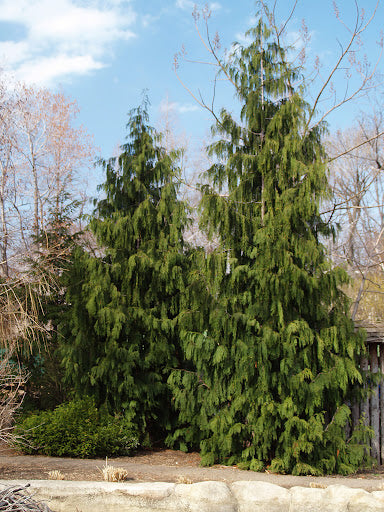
(76, 429)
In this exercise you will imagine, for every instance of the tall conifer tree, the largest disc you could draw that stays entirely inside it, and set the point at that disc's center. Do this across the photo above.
(126, 302)
(277, 362)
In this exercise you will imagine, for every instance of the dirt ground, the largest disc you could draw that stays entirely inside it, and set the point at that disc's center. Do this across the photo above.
(164, 466)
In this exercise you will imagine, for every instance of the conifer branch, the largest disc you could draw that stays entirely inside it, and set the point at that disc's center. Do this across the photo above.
(278, 33)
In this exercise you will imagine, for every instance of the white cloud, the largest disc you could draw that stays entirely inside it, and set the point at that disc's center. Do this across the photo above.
(215, 6)
(295, 39)
(12, 53)
(47, 70)
(149, 19)
(189, 5)
(174, 106)
(184, 109)
(185, 4)
(243, 39)
(63, 37)
(299, 44)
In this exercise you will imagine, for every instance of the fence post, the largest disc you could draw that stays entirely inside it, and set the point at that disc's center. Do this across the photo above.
(381, 402)
(375, 411)
(364, 406)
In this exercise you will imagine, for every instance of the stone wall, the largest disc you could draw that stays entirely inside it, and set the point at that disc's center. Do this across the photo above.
(67, 496)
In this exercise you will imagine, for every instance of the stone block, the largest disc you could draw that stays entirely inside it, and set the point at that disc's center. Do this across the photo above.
(260, 497)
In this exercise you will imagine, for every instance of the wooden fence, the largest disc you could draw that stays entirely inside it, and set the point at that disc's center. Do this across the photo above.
(373, 407)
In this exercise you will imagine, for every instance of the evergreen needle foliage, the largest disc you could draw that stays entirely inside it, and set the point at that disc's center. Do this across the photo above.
(76, 429)
(52, 258)
(126, 300)
(276, 364)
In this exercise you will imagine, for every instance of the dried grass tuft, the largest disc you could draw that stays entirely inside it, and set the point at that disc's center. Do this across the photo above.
(182, 479)
(316, 485)
(112, 474)
(55, 475)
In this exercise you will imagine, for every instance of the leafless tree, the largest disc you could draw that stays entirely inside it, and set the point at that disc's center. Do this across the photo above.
(41, 153)
(6, 172)
(357, 178)
(49, 149)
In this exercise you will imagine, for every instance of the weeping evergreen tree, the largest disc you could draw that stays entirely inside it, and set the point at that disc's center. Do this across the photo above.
(276, 366)
(126, 300)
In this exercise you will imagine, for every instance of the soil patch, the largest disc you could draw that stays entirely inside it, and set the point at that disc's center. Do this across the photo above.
(164, 466)
(153, 465)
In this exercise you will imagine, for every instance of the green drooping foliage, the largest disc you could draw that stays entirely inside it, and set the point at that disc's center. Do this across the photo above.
(76, 429)
(53, 255)
(275, 366)
(126, 297)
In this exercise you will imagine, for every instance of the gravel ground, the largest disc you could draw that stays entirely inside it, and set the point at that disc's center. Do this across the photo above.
(166, 466)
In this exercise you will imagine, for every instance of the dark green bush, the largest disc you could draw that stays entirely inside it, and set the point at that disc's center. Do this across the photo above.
(76, 429)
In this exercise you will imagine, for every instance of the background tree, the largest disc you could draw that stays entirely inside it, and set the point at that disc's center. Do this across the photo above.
(43, 155)
(50, 150)
(126, 301)
(52, 261)
(357, 207)
(7, 141)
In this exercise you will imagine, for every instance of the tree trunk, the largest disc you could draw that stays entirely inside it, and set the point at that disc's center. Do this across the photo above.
(4, 227)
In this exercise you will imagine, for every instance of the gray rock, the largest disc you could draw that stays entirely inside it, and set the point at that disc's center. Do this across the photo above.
(260, 497)
(205, 497)
(379, 495)
(365, 502)
(150, 490)
(337, 498)
(305, 499)
(67, 496)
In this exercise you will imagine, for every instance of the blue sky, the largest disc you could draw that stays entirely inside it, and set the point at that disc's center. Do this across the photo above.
(103, 53)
